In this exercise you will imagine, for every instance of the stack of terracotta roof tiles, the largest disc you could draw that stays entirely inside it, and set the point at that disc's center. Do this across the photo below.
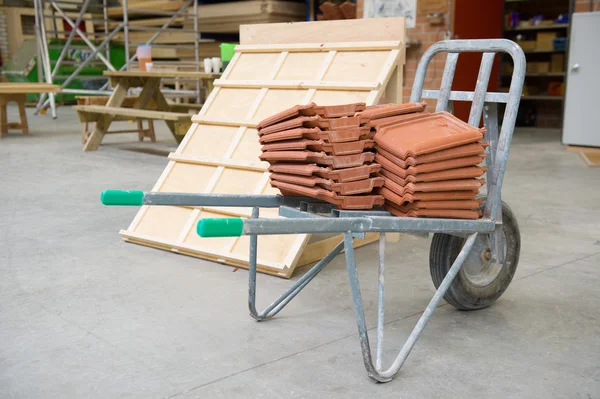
(430, 162)
(415, 163)
(324, 153)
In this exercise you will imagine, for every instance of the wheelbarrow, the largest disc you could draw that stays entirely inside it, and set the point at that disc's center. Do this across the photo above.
(472, 262)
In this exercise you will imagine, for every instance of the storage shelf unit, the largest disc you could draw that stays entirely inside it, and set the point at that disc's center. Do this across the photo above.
(544, 98)
(545, 74)
(538, 27)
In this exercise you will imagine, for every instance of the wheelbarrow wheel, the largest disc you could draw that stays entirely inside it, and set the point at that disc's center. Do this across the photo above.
(480, 281)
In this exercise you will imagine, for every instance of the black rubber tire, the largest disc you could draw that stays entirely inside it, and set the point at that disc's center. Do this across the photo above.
(462, 294)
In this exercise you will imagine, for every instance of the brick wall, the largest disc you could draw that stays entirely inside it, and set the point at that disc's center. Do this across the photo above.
(427, 34)
(3, 37)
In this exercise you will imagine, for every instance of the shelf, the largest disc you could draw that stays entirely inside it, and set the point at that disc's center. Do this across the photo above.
(543, 51)
(543, 97)
(539, 75)
(543, 27)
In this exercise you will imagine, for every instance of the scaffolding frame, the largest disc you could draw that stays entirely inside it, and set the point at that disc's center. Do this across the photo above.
(100, 52)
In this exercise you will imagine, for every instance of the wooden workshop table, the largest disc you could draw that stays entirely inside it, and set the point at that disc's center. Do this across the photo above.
(114, 109)
(17, 92)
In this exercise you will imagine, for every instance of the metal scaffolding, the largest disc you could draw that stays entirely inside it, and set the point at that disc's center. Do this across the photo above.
(54, 10)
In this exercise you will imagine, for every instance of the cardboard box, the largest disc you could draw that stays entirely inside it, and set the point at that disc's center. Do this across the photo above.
(542, 67)
(557, 63)
(528, 45)
(538, 67)
(544, 41)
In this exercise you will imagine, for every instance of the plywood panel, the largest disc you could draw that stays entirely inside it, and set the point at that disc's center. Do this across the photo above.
(178, 180)
(333, 97)
(220, 151)
(278, 99)
(210, 141)
(356, 66)
(254, 66)
(294, 67)
(232, 103)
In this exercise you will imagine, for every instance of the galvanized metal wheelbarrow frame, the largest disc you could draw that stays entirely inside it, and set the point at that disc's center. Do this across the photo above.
(302, 215)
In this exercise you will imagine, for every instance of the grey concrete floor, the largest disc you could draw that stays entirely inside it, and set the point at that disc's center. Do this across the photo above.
(83, 314)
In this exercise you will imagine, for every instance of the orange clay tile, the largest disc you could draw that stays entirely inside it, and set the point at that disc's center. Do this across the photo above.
(435, 213)
(312, 109)
(392, 197)
(473, 204)
(336, 162)
(421, 136)
(449, 174)
(349, 148)
(343, 202)
(427, 167)
(339, 111)
(388, 110)
(333, 136)
(312, 121)
(436, 186)
(462, 151)
(337, 175)
(290, 113)
(380, 123)
(350, 188)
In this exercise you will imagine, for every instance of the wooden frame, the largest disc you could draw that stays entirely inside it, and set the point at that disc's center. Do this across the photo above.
(219, 154)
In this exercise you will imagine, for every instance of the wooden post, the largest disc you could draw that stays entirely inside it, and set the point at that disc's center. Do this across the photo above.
(115, 100)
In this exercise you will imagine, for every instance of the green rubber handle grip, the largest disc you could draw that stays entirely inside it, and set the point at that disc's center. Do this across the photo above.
(220, 227)
(122, 197)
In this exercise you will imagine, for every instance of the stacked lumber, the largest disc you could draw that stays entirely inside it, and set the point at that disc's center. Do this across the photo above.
(429, 163)
(322, 152)
(333, 11)
(227, 17)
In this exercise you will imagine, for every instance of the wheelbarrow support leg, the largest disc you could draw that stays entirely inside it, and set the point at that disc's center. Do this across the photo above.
(376, 373)
(294, 290)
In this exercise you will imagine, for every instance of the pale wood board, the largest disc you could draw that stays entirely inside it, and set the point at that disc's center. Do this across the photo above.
(163, 74)
(12, 88)
(352, 30)
(133, 113)
(220, 152)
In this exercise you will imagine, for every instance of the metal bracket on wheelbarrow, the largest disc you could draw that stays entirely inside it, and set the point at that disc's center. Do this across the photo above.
(302, 215)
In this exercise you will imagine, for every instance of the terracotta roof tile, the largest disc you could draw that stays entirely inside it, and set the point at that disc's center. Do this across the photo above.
(312, 109)
(329, 136)
(394, 198)
(312, 121)
(355, 202)
(336, 162)
(434, 213)
(380, 123)
(337, 175)
(388, 110)
(364, 186)
(436, 132)
(349, 148)
(436, 186)
(462, 151)
(449, 174)
(391, 167)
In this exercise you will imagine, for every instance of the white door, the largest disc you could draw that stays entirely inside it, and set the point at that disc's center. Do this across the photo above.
(582, 103)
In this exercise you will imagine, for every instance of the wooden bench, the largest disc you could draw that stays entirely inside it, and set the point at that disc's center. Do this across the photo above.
(129, 102)
(17, 92)
(93, 113)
